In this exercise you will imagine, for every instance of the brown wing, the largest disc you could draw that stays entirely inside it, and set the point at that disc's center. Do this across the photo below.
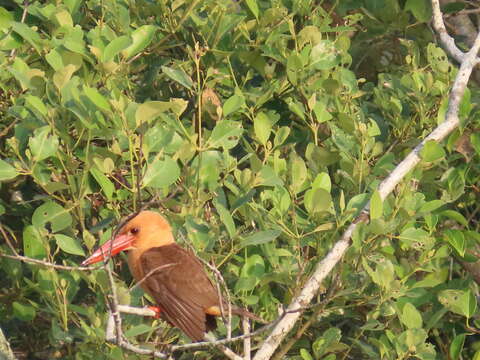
(183, 290)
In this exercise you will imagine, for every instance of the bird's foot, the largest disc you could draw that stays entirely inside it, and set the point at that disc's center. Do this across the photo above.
(156, 310)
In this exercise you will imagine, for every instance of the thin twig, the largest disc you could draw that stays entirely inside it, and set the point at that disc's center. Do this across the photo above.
(220, 279)
(7, 240)
(161, 267)
(139, 171)
(8, 127)
(26, 259)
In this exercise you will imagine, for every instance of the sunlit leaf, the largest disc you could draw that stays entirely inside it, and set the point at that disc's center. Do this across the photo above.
(161, 173)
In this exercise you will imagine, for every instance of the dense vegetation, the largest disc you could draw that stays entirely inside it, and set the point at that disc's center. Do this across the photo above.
(258, 128)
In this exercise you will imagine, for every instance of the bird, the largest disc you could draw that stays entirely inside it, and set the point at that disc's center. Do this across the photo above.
(173, 276)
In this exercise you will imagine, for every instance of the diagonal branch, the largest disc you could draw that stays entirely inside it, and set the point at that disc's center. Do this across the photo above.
(447, 41)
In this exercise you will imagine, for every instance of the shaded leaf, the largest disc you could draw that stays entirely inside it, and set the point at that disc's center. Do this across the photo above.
(179, 76)
(69, 245)
(261, 237)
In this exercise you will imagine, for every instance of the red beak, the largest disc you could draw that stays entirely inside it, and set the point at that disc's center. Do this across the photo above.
(110, 248)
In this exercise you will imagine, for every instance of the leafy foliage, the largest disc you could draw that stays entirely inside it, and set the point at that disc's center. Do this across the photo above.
(265, 126)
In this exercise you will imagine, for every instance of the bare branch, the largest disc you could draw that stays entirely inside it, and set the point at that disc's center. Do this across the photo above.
(114, 305)
(7, 240)
(111, 337)
(229, 353)
(447, 41)
(26, 259)
(247, 344)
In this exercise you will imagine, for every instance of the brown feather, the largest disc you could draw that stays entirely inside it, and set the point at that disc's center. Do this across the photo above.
(183, 290)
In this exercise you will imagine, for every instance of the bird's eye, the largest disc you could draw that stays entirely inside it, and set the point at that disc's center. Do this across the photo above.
(134, 231)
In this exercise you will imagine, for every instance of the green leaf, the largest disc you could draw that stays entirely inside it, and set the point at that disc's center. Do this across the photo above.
(294, 66)
(322, 181)
(23, 312)
(260, 237)
(358, 202)
(97, 98)
(233, 103)
(432, 151)
(413, 237)
(296, 107)
(150, 110)
(456, 238)
(179, 76)
(458, 301)
(106, 185)
(115, 46)
(455, 215)
(263, 127)
(6, 19)
(226, 134)
(141, 38)
(456, 346)
(475, 141)
(281, 135)
(63, 18)
(7, 171)
(36, 105)
(245, 284)
(69, 245)
(411, 317)
(321, 112)
(298, 174)
(305, 355)
(254, 267)
(324, 55)
(138, 330)
(430, 206)
(42, 144)
(32, 243)
(226, 218)
(52, 214)
(252, 5)
(28, 34)
(317, 200)
(326, 341)
(421, 9)
(376, 206)
(373, 129)
(161, 173)
(268, 177)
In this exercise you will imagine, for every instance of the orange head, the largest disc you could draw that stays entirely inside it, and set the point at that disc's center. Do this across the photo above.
(146, 230)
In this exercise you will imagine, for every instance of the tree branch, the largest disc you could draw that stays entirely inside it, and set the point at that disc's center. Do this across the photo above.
(447, 41)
